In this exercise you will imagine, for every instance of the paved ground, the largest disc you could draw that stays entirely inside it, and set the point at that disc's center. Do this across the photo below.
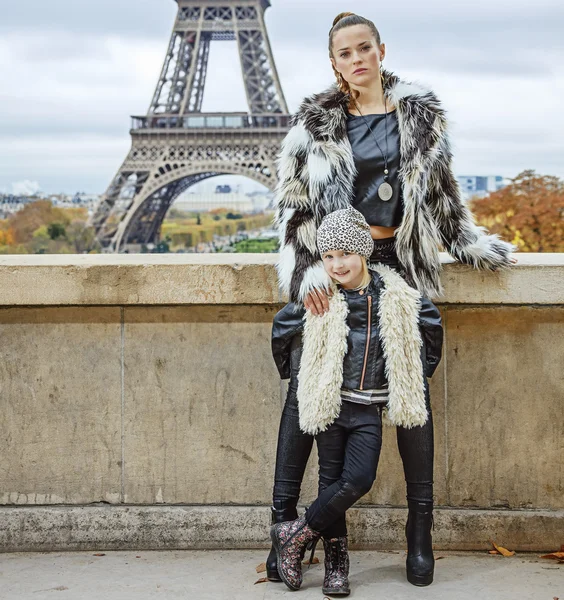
(230, 575)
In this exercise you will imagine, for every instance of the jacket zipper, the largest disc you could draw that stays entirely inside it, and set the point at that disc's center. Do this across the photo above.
(369, 299)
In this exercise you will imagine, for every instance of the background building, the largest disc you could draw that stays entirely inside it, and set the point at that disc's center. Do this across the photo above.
(225, 196)
(480, 185)
(10, 204)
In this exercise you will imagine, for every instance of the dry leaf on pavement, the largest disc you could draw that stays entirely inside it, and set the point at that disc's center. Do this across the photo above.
(263, 580)
(315, 561)
(555, 555)
(502, 550)
(261, 568)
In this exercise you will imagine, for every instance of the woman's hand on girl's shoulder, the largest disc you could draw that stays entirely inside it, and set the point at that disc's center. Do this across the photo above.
(317, 302)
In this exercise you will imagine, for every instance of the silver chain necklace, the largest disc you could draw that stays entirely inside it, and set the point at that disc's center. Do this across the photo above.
(385, 190)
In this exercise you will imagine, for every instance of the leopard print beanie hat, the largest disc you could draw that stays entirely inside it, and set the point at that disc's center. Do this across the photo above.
(345, 230)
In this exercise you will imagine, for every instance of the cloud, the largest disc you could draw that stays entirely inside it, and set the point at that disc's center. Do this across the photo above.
(94, 91)
(64, 163)
(25, 188)
(481, 38)
(75, 77)
(137, 18)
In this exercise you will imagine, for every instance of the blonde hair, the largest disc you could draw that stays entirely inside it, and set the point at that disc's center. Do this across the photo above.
(342, 20)
(366, 276)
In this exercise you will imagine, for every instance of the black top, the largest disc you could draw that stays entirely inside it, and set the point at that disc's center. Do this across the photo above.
(369, 163)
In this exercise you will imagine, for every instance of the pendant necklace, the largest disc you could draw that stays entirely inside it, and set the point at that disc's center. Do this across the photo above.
(385, 190)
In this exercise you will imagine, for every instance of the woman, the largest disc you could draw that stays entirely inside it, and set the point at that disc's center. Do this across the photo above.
(380, 144)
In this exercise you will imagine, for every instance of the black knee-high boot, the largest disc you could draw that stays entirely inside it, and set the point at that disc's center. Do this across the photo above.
(283, 510)
(420, 562)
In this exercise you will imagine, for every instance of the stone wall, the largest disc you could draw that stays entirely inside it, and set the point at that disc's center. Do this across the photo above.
(140, 406)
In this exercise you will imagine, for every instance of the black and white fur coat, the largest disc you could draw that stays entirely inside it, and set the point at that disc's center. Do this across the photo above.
(316, 173)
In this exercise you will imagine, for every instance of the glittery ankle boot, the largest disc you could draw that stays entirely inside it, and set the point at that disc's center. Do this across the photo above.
(336, 582)
(283, 510)
(290, 540)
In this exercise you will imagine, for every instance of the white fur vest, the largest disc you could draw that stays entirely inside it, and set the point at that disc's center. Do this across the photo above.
(325, 345)
(316, 174)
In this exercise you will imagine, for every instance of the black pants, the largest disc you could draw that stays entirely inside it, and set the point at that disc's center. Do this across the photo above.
(348, 450)
(294, 446)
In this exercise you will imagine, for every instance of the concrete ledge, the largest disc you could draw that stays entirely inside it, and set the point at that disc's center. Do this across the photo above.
(39, 529)
(138, 279)
(169, 279)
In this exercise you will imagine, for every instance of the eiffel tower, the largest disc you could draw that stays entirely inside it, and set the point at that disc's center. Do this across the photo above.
(176, 145)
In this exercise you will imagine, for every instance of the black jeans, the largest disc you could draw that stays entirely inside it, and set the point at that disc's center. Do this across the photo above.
(416, 445)
(294, 446)
(349, 450)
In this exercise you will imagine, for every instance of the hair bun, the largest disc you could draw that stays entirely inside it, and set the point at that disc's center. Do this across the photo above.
(342, 16)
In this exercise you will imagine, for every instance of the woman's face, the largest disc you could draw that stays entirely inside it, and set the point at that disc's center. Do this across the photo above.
(344, 267)
(356, 55)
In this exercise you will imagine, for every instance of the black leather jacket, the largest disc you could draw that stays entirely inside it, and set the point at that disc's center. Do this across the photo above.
(364, 364)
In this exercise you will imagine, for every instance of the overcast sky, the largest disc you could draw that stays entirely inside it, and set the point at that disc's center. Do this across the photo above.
(72, 72)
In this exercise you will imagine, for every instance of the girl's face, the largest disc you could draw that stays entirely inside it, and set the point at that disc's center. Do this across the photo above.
(344, 267)
(356, 55)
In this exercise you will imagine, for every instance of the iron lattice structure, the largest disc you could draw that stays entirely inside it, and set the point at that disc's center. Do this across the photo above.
(176, 145)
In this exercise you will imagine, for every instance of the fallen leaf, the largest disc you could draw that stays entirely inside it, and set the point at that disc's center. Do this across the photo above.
(99, 554)
(439, 557)
(263, 580)
(502, 550)
(555, 555)
(315, 561)
(137, 557)
(261, 568)
(493, 552)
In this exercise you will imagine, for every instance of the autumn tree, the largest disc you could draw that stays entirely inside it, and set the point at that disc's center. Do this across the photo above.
(42, 228)
(82, 239)
(175, 213)
(34, 215)
(6, 234)
(529, 212)
(56, 230)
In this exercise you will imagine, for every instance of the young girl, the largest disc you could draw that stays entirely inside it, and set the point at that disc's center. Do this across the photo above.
(361, 361)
